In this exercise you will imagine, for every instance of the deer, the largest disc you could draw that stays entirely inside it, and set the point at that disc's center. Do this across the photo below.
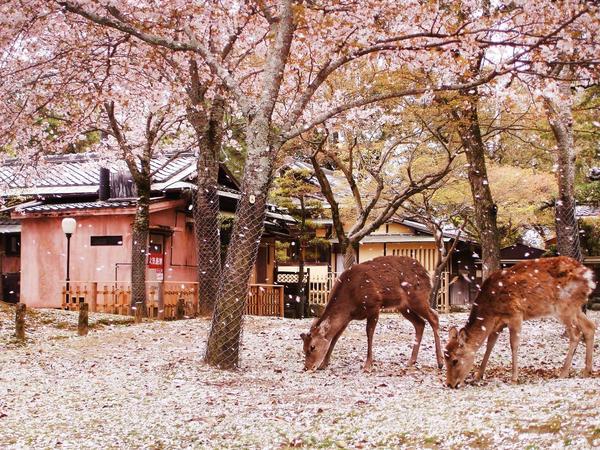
(548, 287)
(360, 293)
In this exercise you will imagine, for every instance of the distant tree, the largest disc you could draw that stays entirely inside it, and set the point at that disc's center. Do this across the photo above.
(379, 172)
(559, 108)
(439, 217)
(296, 190)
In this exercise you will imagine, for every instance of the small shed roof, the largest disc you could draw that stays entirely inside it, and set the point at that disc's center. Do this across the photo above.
(9, 226)
(391, 239)
(519, 251)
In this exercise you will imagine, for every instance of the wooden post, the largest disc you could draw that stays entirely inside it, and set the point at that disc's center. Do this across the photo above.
(180, 312)
(20, 321)
(281, 300)
(161, 301)
(138, 312)
(94, 297)
(261, 297)
(82, 328)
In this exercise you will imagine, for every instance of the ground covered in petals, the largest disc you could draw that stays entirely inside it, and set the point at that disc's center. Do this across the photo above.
(146, 386)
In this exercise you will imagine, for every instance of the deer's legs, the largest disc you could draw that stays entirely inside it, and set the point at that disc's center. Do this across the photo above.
(325, 362)
(371, 324)
(491, 341)
(588, 329)
(431, 316)
(419, 325)
(515, 337)
(575, 327)
(574, 336)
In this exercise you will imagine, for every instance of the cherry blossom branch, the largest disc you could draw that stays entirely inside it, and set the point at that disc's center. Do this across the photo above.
(118, 21)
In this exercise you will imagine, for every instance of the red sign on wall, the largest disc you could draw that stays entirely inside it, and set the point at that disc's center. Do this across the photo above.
(155, 261)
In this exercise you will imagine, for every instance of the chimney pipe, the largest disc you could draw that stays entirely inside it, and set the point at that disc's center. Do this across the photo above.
(104, 189)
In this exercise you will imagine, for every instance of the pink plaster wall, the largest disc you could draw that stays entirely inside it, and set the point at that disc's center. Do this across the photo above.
(43, 252)
(43, 255)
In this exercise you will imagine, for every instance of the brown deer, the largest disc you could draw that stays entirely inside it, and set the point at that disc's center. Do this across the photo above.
(547, 287)
(360, 293)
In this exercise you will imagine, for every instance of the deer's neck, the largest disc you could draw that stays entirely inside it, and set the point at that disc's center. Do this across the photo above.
(333, 322)
(478, 330)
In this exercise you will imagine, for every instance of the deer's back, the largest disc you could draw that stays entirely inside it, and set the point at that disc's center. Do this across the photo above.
(386, 281)
(536, 288)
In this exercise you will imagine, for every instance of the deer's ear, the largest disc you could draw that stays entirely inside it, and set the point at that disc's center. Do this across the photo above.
(314, 324)
(304, 336)
(324, 327)
(462, 336)
(453, 333)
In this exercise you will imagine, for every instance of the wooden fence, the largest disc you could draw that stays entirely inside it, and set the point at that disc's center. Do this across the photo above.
(115, 297)
(162, 298)
(319, 287)
(265, 300)
(443, 298)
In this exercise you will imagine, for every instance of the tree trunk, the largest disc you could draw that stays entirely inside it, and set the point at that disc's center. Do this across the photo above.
(139, 248)
(485, 209)
(350, 250)
(224, 337)
(301, 255)
(560, 118)
(300, 287)
(206, 208)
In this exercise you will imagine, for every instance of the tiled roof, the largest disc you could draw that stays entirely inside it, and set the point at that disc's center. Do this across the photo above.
(80, 174)
(56, 207)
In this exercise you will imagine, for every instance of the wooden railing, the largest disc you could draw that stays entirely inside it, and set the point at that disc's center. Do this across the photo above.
(115, 297)
(443, 298)
(162, 298)
(265, 300)
(319, 287)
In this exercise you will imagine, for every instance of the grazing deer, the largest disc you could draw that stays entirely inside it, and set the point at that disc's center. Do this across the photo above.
(548, 287)
(360, 293)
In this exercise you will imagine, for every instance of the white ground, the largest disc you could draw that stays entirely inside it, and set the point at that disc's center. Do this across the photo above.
(145, 386)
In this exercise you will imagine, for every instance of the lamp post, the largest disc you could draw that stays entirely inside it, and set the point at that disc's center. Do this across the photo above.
(68, 226)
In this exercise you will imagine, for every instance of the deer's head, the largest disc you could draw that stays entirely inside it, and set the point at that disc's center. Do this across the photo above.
(316, 345)
(459, 358)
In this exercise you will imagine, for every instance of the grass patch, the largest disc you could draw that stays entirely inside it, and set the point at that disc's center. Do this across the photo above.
(477, 440)
(551, 426)
(106, 322)
(431, 441)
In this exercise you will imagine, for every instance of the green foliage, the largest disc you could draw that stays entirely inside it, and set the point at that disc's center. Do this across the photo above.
(296, 190)
(234, 150)
(588, 193)
(590, 236)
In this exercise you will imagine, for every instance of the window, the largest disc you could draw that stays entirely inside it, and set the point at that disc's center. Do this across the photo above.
(106, 240)
(156, 243)
(13, 245)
